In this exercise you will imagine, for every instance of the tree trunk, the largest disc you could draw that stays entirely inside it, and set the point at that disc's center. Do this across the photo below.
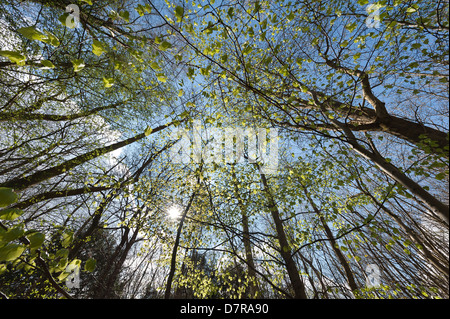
(173, 261)
(439, 209)
(285, 250)
(253, 285)
(22, 183)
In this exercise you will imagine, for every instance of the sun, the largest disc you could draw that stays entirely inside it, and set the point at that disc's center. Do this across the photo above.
(174, 212)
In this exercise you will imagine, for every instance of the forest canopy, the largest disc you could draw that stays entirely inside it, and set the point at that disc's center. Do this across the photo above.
(224, 149)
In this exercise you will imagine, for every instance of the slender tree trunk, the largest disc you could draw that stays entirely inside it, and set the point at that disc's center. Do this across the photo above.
(439, 209)
(253, 285)
(285, 250)
(173, 261)
(22, 183)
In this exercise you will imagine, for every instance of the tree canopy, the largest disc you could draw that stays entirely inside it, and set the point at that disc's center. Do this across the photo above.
(134, 142)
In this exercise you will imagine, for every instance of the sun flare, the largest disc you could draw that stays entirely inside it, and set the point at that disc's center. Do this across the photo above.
(174, 212)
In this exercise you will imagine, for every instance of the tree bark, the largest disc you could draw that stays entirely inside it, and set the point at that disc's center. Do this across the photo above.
(435, 206)
(173, 261)
(285, 250)
(22, 183)
(253, 285)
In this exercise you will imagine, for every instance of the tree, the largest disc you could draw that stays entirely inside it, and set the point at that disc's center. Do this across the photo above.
(101, 110)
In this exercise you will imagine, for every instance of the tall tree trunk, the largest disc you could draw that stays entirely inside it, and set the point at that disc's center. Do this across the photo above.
(439, 209)
(253, 285)
(22, 183)
(173, 262)
(285, 249)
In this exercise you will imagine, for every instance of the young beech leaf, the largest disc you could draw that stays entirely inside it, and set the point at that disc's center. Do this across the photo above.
(36, 240)
(161, 78)
(11, 234)
(125, 15)
(68, 20)
(78, 65)
(7, 196)
(51, 39)
(108, 82)
(11, 252)
(179, 13)
(32, 33)
(165, 45)
(10, 213)
(90, 265)
(67, 239)
(98, 47)
(148, 131)
(14, 57)
(47, 65)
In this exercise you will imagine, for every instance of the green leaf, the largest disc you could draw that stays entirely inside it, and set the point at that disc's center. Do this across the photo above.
(230, 12)
(68, 22)
(412, 9)
(190, 72)
(14, 57)
(67, 239)
(291, 16)
(165, 45)
(32, 33)
(51, 39)
(73, 265)
(87, 1)
(90, 265)
(185, 114)
(155, 66)
(148, 131)
(63, 275)
(10, 213)
(247, 49)
(3, 268)
(140, 9)
(47, 65)
(62, 253)
(125, 15)
(11, 252)
(179, 13)
(351, 26)
(7, 196)
(257, 7)
(344, 43)
(108, 82)
(98, 47)
(10, 234)
(36, 240)
(78, 65)
(161, 77)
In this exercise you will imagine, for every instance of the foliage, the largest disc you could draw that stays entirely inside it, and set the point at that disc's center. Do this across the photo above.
(93, 103)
